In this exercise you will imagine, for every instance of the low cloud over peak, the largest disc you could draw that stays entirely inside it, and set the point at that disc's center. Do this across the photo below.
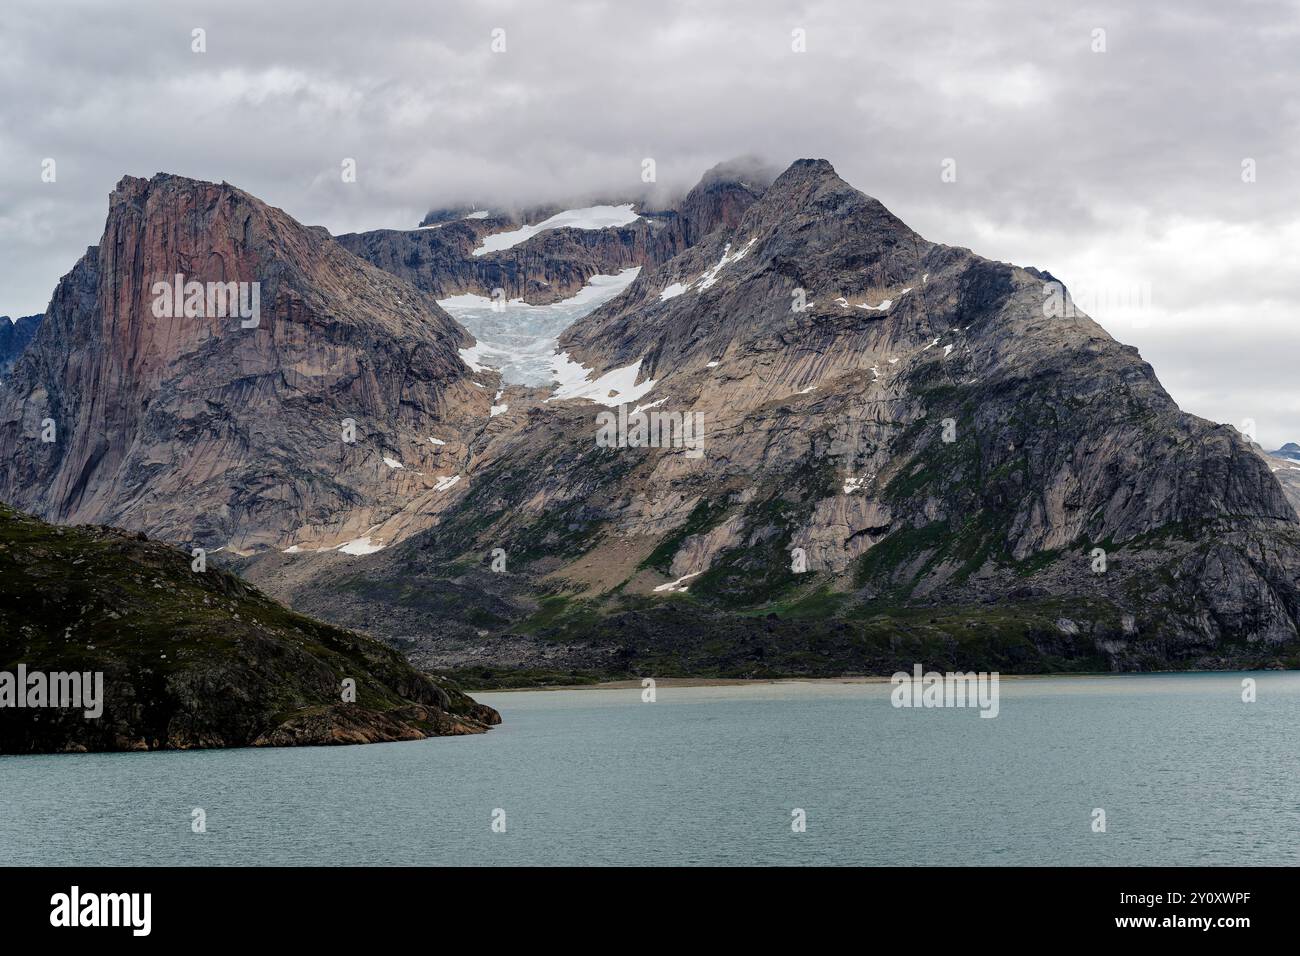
(1122, 150)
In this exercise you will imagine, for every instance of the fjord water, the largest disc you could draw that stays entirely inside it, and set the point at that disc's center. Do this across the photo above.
(1186, 772)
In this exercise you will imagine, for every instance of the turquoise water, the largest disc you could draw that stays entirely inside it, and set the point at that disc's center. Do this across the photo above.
(1186, 772)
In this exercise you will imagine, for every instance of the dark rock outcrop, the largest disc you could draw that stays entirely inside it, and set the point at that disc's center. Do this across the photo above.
(14, 338)
(192, 658)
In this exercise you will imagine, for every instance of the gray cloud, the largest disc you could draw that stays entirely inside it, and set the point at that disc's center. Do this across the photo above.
(1109, 169)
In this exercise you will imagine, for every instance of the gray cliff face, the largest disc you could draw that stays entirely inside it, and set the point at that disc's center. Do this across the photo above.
(199, 430)
(15, 337)
(962, 467)
(908, 451)
(1089, 442)
(1284, 463)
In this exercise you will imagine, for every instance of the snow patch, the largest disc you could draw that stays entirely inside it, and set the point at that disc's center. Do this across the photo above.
(677, 585)
(470, 357)
(611, 389)
(472, 300)
(672, 292)
(392, 462)
(884, 306)
(360, 546)
(589, 217)
(642, 408)
(709, 278)
(445, 482)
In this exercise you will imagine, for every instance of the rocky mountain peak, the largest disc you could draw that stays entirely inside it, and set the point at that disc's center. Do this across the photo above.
(15, 336)
(722, 196)
(555, 263)
(812, 189)
(808, 242)
(889, 425)
(749, 170)
(1289, 450)
(812, 178)
(810, 169)
(195, 369)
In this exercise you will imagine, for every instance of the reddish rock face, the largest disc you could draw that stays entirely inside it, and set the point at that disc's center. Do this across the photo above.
(906, 416)
(228, 429)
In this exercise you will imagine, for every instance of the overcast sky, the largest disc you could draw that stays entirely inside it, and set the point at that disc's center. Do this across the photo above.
(1118, 171)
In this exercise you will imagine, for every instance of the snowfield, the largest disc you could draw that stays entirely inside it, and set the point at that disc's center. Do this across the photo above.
(611, 389)
(520, 340)
(361, 546)
(590, 217)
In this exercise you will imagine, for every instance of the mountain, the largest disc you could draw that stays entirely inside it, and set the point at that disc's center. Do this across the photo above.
(226, 431)
(908, 452)
(14, 337)
(192, 659)
(440, 257)
(938, 458)
(1284, 463)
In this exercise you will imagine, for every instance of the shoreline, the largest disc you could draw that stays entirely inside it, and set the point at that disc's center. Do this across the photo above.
(635, 683)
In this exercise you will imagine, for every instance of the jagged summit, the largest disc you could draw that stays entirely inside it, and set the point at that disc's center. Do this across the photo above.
(949, 459)
(446, 257)
(215, 417)
(15, 336)
(750, 171)
(903, 448)
(1289, 450)
(809, 240)
(815, 168)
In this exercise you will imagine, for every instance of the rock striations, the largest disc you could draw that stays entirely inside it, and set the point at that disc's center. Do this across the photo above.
(14, 338)
(215, 430)
(554, 264)
(908, 452)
